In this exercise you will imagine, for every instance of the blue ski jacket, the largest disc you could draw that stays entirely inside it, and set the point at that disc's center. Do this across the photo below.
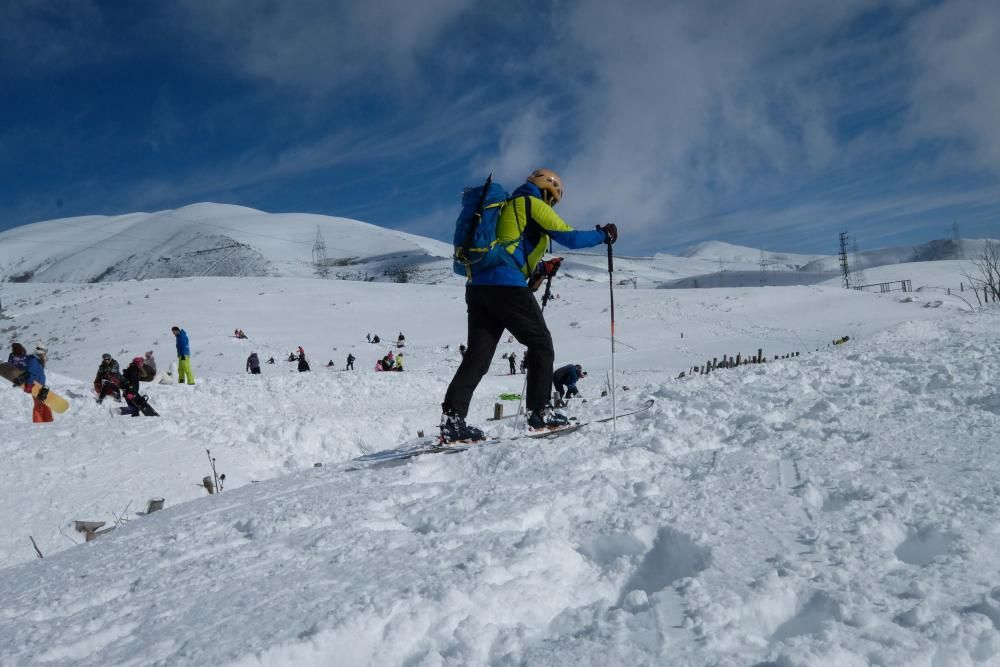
(35, 369)
(567, 375)
(183, 346)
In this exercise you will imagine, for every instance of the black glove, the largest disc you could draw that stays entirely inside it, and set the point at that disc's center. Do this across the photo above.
(610, 232)
(19, 380)
(43, 394)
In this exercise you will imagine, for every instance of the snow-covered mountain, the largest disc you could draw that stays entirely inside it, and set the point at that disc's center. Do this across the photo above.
(235, 241)
(744, 258)
(216, 240)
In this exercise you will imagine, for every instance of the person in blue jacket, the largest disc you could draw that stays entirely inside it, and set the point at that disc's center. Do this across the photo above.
(499, 297)
(184, 371)
(565, 378)
(34, 366)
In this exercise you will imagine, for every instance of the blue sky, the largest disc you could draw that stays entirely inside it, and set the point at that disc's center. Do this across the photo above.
(774, 123)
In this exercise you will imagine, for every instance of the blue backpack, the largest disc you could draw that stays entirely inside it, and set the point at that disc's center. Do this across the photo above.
(476, 246)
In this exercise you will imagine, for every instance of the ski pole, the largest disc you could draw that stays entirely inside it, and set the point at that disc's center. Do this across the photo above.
(611, 288)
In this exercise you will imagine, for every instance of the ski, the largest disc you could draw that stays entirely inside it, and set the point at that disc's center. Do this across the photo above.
(433, 444)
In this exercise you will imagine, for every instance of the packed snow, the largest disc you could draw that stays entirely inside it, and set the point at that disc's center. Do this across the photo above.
(837, 507)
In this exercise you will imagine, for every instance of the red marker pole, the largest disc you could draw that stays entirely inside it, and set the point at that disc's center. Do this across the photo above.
(611, 288)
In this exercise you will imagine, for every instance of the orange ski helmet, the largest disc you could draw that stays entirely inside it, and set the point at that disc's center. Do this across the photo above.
(549, 183)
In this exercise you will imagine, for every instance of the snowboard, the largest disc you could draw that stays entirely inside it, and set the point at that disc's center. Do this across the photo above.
(141, 402)
(55, 402)
(433, 445)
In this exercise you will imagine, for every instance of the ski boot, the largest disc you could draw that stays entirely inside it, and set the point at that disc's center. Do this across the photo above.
(454, 429)
(546, 419)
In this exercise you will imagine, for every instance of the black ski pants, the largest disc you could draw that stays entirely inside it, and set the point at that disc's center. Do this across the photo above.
(491, 310)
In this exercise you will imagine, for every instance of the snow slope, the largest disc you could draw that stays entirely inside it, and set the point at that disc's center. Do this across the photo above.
(838, 508)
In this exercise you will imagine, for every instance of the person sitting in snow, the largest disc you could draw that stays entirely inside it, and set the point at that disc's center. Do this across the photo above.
(108, 379)
(270, 360)
(18, 355)
(292, 357)
(130, 388)
(401, 340)
(375, 339)
(399, 362)
(148, 367)
(329, 364)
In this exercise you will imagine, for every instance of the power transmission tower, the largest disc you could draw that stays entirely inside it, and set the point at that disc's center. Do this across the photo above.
(319, 254)
(859, 271)
(844, 267)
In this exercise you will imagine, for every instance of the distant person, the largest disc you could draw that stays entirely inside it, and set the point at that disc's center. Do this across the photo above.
(399, 362)
(130, 388)
(18, 355)
(350, 362)
(369, 337)
(292, 357)
(401, 340)
(564, 380)
(512, 360)
(303, 364)
(270, 360)
(524, 364)
(184, 372)
(253, 364)
(375, 339)
(148, 367)
(329, 364)
(461, 349)
(108, 380)
(34, 369)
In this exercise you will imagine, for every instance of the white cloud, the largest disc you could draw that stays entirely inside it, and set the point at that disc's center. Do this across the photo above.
(317, 46)
(956, 48)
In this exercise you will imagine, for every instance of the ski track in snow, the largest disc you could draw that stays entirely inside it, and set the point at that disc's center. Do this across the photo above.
(839, 508)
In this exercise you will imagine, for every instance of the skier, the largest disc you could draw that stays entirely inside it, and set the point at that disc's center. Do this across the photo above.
(401, 340)
(565, 378)
(34, 366)
(130, 387)
(350, 362)
(108, 379)
(303, 364)
(184, 371)
(253, 364)
(512, 360)
(499, 298)
(18, 355)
